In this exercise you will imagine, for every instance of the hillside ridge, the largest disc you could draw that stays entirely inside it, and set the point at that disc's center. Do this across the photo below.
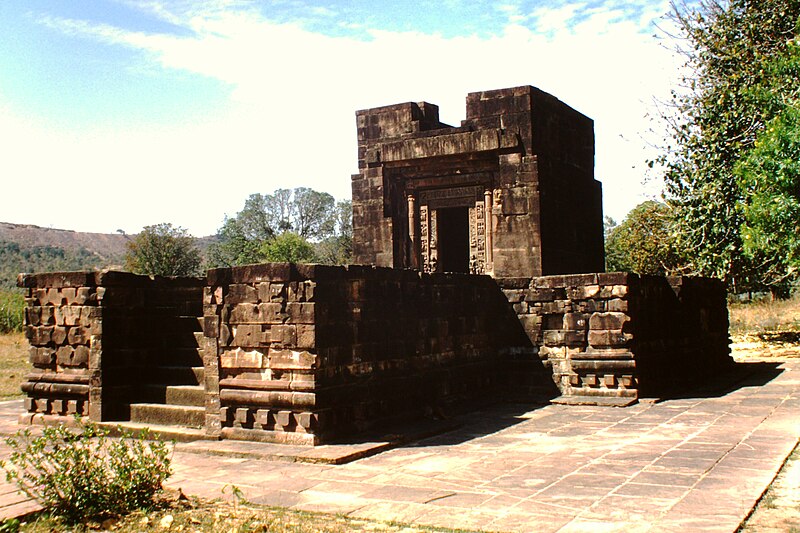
(106, 245)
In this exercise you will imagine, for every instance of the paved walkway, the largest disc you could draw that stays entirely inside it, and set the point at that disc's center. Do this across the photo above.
(698, 463)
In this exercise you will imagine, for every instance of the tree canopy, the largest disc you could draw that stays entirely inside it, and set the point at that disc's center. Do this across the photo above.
(289, 247)
(163, 250)
(731, 92)
(644, 242)
(770, 177)
(301, 225)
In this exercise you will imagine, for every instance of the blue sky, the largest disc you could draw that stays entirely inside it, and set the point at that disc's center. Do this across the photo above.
(115, 114)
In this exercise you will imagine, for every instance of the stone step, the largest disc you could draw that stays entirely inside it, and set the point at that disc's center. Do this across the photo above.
(607, 401)
(166, 433)
(193, 395)
(168, 415)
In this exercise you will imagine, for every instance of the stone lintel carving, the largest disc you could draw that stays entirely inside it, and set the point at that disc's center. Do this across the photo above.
(445, 145)
(439, 197)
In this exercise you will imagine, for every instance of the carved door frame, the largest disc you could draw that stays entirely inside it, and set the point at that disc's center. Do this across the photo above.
(423, 228)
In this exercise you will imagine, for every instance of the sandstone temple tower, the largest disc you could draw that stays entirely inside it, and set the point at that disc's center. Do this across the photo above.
(511, 192)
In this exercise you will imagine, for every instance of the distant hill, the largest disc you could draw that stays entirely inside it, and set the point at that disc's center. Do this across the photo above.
(103, 245)
(29, 248)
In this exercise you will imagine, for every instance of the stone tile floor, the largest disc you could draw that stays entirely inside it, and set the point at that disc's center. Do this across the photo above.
(695, 463)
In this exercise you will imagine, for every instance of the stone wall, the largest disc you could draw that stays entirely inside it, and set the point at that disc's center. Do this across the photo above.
(96, 336)
(614, 337)
(308, 352)
(63, 327)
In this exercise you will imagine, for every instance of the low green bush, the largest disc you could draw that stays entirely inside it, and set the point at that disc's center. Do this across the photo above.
(84, 474)
(12, 306)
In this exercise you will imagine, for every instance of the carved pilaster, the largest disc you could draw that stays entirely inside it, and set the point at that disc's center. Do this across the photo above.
(487, 209)
(424, 234)
(412, 232)
(433, 242)
(477, 238)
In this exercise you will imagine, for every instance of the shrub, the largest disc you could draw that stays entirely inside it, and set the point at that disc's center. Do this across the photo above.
(163, 250)
(86, 475)
(289, 247)
(12, 306)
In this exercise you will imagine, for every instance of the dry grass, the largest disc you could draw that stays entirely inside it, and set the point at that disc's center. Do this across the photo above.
(765, 330)
(192, 516)
(13, 364)
(779, 320)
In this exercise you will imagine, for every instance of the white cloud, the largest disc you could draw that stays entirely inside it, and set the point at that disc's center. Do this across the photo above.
(550, 20)
(293, 98)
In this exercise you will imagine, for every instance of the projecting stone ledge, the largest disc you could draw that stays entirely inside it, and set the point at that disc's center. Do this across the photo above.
(453, 144)
(607, 401)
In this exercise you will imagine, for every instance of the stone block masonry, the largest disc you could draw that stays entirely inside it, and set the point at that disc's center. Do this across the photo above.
(96, 337)
(306, 353)
(510, 192)
(614, 337)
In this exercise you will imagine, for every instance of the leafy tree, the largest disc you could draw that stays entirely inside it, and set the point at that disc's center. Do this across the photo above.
(313, 216)
(608, 225)
(289, 247)
(729, 95)
(163, 250)
(338, 248)
(278, 208)
(12, 309)
(770, 177)
(256, 220)
(644, 242)
(313, 213)
(234, 246)
(306, 212)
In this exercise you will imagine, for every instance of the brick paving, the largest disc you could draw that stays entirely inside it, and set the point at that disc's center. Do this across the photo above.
(696, 463)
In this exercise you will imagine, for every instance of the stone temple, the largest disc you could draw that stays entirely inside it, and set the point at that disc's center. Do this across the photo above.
(478, 275)
(510, 193)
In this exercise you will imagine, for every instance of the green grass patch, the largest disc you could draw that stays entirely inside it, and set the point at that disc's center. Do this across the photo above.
(12, 305)
(14, 365)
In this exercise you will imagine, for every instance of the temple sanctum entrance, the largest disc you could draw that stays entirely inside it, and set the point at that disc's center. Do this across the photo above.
(447, 229)
(453, 239)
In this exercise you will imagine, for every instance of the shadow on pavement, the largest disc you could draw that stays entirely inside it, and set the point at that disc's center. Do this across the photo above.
(740, 375)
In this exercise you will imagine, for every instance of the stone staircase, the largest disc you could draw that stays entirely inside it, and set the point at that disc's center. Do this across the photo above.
(171, 402)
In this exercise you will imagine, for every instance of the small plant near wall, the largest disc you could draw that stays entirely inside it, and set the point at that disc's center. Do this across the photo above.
(82, 474)
(12, 306)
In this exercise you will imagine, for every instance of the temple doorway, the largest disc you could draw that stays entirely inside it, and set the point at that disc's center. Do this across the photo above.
(453, 239)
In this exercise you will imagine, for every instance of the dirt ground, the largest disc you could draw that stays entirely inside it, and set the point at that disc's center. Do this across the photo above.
(779, 508)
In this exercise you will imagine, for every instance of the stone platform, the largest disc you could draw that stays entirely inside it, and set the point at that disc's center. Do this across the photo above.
(695, 463)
